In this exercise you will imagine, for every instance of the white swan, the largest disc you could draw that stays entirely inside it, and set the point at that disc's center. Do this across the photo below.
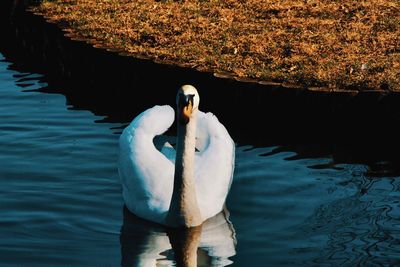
(182, 188)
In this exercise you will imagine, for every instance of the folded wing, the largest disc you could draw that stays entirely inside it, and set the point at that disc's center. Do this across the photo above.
(146, 174)
(214, 164)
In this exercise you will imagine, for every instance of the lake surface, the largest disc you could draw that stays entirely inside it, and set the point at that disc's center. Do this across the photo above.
(289, 205)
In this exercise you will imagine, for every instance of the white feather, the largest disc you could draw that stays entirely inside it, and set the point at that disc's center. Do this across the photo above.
(147, 174)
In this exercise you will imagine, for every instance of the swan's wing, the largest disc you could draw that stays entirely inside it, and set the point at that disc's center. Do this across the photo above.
(169, 152)
(146, 174)
(214, 164)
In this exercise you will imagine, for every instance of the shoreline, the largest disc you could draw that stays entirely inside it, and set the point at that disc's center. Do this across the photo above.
(98, 44)
(102, 82)
(350, 79)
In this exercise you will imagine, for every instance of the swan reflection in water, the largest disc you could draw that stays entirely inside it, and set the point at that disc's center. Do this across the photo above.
(144, 243)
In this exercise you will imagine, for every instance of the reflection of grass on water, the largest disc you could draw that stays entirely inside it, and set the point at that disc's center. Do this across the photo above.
(336, 44)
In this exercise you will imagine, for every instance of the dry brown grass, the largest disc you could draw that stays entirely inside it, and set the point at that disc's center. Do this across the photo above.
(337, 44)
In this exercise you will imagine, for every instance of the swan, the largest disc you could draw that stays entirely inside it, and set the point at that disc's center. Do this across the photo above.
(182, 187)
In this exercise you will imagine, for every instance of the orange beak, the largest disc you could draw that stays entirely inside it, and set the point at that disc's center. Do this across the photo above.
(187, 112)
(185, 106)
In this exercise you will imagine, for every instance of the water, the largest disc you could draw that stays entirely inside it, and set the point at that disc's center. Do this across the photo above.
(61, 202)
(60, 196)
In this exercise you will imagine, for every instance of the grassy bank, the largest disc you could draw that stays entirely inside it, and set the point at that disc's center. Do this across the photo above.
(327, 43)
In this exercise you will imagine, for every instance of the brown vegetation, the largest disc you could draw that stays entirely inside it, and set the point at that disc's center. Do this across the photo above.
(313, 43)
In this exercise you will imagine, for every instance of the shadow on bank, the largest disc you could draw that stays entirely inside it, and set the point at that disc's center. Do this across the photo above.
(351, 127)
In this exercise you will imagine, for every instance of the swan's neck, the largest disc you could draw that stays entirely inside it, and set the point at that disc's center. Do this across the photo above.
(184, 209)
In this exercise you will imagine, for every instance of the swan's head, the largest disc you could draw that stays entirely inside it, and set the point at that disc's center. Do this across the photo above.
(187, 101)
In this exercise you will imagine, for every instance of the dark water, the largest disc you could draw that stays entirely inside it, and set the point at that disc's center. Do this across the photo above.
(60, 196)
(61, 202)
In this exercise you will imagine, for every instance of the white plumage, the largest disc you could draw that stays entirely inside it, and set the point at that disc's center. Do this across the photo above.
(147, 174)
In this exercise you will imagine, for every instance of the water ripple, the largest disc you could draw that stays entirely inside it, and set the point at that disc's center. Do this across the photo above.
(289, 205)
